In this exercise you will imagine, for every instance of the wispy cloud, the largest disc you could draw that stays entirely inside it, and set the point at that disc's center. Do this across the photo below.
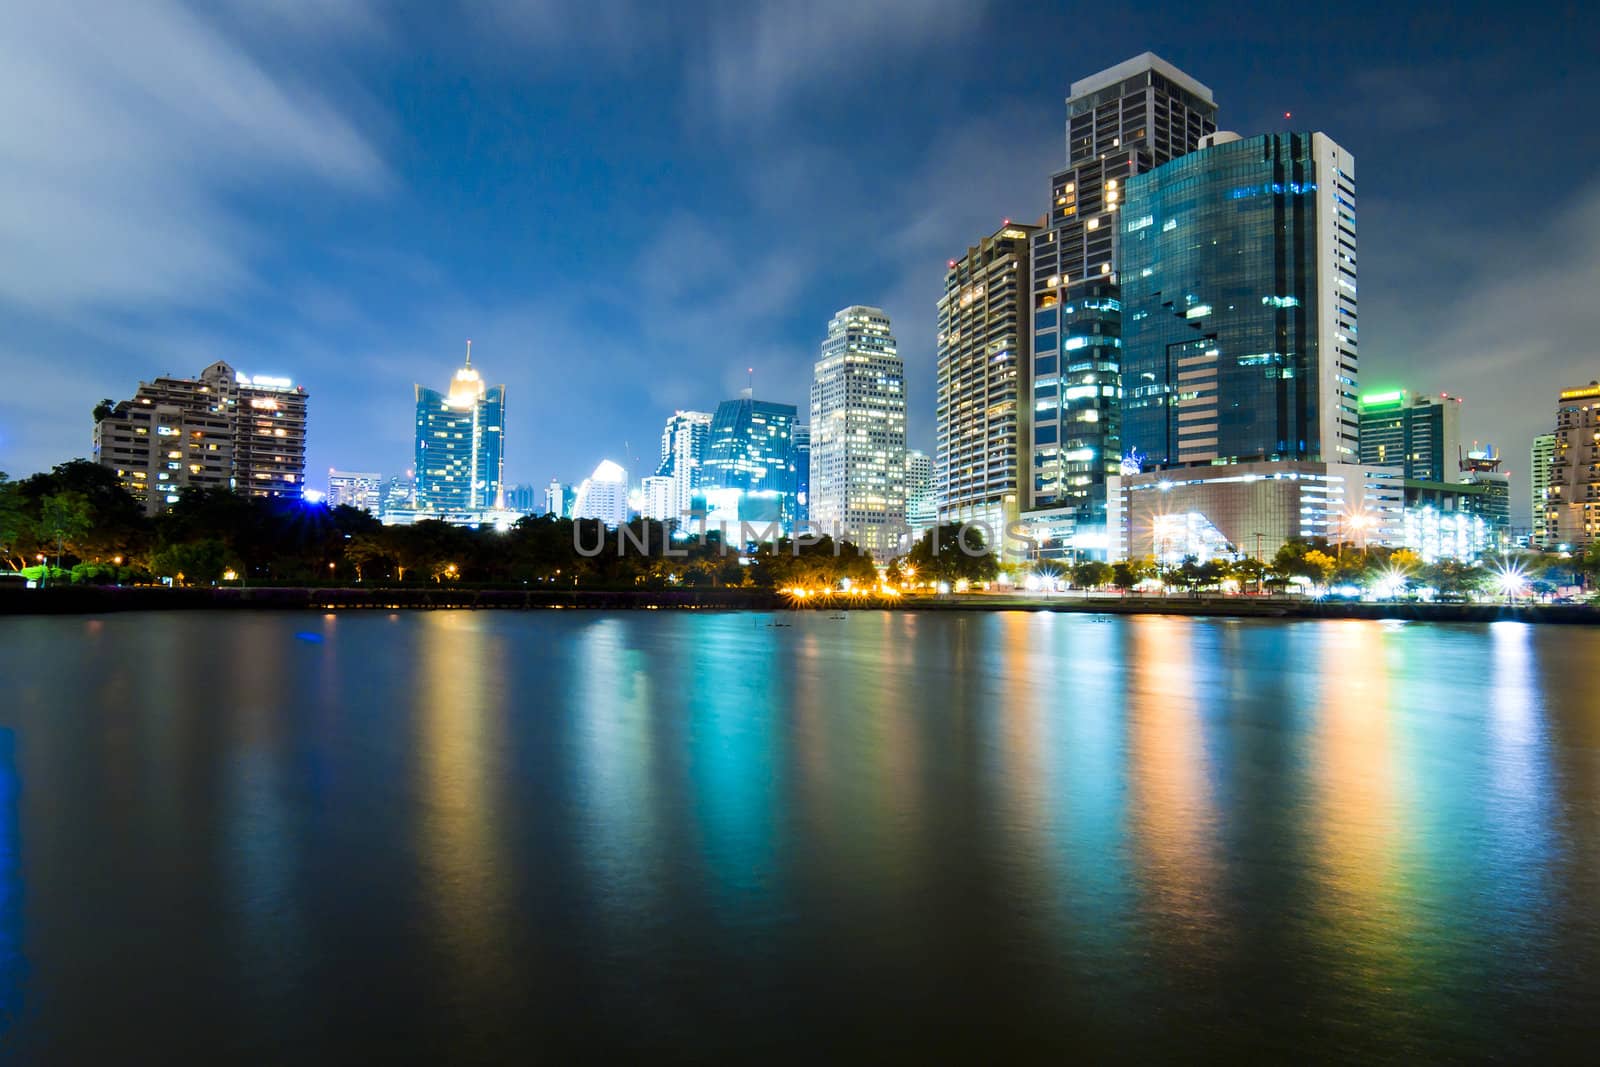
(125, 134)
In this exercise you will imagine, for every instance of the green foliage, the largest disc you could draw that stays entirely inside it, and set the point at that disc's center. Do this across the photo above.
(1091, 574)
(1130, 572)
(952, 553)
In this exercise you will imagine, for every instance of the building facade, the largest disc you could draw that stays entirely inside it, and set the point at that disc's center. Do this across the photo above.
(683, 453)
(356, 489)
(802, 473)
(460, 444)
(219, 430)
(603, 495)
(1572, 508)
(658, 499)
(858, 433)
(922, 498)
(749, 451)
(1239, 304)
(1120, 122)
(984, 403)
(1543, 454)
(1419, 434)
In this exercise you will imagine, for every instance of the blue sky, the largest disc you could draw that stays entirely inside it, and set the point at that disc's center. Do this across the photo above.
(626, 204)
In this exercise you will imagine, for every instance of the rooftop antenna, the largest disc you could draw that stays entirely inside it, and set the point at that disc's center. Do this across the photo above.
(751, 371)
(469, 353)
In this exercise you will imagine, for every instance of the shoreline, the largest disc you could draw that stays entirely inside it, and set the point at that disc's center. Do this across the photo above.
(93, 600)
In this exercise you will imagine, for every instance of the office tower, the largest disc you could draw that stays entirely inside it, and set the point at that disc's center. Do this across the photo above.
(749, 460)
(460, 442)
(800, 436)
(858, 433)
(218, 430)
(603, 495)
(356, 489)
(1419, 434)
(1120, 122)
(683, 451)
(658, 499)
(558, 499)
(1239, 304)
(1544, 452)
(922, 496)
(983, 410)
(1572, 510)
(400, 493)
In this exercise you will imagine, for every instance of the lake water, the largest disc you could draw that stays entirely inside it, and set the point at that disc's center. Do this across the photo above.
(981, 837)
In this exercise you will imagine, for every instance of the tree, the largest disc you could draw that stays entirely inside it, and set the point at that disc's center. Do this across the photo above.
(1091, 574)
(65, 518)
(952, 553)
(1130, 572)
(197, 561)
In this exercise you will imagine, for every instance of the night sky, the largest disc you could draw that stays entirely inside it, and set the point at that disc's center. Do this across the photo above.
(625, 205)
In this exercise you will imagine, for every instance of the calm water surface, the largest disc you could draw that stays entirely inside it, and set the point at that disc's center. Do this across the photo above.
(501, 836)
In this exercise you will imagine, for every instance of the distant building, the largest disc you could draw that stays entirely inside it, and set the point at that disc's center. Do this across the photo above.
(802, 472)
(1572, 509)
(984, 405)
(356, 489)
(525, 499)
(460, 444)
(220, 430)
(658, 498)
(558, 499)
(683, 454)
(1544, 453)
(1419, 434)
(400, 493)
(750, 452)
(922, 511)
(858, 433)
(603, 495)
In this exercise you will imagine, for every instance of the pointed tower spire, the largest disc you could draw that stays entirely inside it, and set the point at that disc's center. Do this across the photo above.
(469, 353)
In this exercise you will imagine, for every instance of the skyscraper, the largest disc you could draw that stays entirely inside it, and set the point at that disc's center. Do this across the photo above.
(658, 499)
(460, 442)
(558, 499)
(984, 404)
(1419, 434)
(1120, 122)
(1239, 304)
(356, 489)
(801, 436)
(603, 495)
(1544, 453)
(750, 450)
(1572, 508)
(218, 430)
(683, 452)
(922, 510)
(858, 432)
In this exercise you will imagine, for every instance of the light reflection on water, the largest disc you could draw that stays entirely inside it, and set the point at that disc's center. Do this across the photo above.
(893, 832)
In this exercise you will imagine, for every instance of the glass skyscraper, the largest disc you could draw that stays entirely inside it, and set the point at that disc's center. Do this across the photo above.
(1419, 434)
(1120, 122)
(750, 449)
(460, 440)
(683, 452)
(1239, 304)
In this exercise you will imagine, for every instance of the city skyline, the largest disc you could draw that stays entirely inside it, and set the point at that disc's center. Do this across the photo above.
(347, 301)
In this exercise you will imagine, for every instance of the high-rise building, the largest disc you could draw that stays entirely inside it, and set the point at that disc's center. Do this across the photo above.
(1572, 509)
(801, 436)
(400, 493)
(984, 405)
(683, 453)
(219, 430)
(750, 451)
(858, 433)
(558, 499)
(1239, 304)
(922, 496)
(658, 499)
(1544, 452)
(1120, 122)
(603, 495)
(1419, 434)
(460, 444)
(356, 489)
